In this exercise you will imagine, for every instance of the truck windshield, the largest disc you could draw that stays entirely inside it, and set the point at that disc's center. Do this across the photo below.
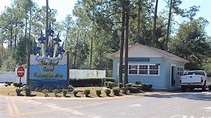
(195, 73)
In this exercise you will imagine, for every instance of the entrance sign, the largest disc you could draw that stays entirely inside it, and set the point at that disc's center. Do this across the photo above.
(20, 71)
(48, 71)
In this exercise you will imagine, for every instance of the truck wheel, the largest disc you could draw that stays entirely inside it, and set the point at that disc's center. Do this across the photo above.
(204, 87)
(183, 88)
(210, 88)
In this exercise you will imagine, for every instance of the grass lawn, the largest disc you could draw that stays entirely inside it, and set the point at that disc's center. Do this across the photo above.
(10, 91)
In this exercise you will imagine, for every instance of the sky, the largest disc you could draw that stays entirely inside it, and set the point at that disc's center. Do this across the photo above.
(65, 7)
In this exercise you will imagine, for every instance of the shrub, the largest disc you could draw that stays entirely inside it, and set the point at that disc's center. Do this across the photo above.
(124, 90)
(64, 91)
(120, 85)
(56, 91)
(8, 83)
(98, 93)
(86, 82)
(27, 91)
(5, 85)
(116, 91)
(108, 79)
(18, 91)
(137, 82)
(133, 89)
(17, 84)
(75, 92)
(106, 83)
(86, 92)
(107, 92)
(89, 82)
(146, 87)
(45, 91)
(129, 85)
(110, 85)
(138, 86)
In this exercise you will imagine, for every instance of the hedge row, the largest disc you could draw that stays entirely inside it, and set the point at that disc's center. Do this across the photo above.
(89, 82)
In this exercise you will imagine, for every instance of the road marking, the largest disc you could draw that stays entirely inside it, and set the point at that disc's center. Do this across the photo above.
(135, 105)
(15, 107)
(208, 109)
(10, 110)
(181, 116)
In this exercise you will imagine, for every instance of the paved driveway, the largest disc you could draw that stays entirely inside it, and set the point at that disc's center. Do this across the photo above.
(148, 105)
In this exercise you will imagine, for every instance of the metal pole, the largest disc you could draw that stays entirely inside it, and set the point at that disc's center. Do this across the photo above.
(68, 66)
(19, 82)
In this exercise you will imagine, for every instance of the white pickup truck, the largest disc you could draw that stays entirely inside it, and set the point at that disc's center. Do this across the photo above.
(195, 79)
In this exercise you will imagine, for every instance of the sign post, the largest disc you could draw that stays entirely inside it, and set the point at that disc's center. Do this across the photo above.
(20, 73)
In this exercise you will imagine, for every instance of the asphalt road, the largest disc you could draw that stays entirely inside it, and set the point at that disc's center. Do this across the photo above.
(148, 105)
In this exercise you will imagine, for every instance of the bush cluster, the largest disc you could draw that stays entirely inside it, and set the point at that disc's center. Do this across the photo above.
(89, 82)
(8, 83)
(138, 87)
(17, 84)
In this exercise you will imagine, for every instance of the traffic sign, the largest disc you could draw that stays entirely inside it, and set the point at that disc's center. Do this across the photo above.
(20, 71)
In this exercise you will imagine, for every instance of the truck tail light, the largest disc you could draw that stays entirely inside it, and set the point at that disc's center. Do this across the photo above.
(202, 79)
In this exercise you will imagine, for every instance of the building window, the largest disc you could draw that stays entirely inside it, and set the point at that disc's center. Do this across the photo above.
(180, 71)
(143, 69)
(153, 69)
(133, 69)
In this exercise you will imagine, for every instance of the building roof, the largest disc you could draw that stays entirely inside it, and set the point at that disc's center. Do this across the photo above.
(154, 52)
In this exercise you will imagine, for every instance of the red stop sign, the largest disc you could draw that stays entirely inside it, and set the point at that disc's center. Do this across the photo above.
(20, 71)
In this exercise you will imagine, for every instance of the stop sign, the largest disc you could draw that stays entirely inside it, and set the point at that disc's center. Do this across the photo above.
(20, 71)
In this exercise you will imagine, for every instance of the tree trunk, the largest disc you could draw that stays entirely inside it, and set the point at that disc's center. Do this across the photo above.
(168, 27)
(91, 52)
(15, 40)
(11, 32)
(76, 51)
(154, 25)
(28, 43)
(25, 35)
(139, 18)
(126, 40)
(122, 45)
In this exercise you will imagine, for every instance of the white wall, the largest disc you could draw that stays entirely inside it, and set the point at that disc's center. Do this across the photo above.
(11, 77)
(74, 73)
(80, 74)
